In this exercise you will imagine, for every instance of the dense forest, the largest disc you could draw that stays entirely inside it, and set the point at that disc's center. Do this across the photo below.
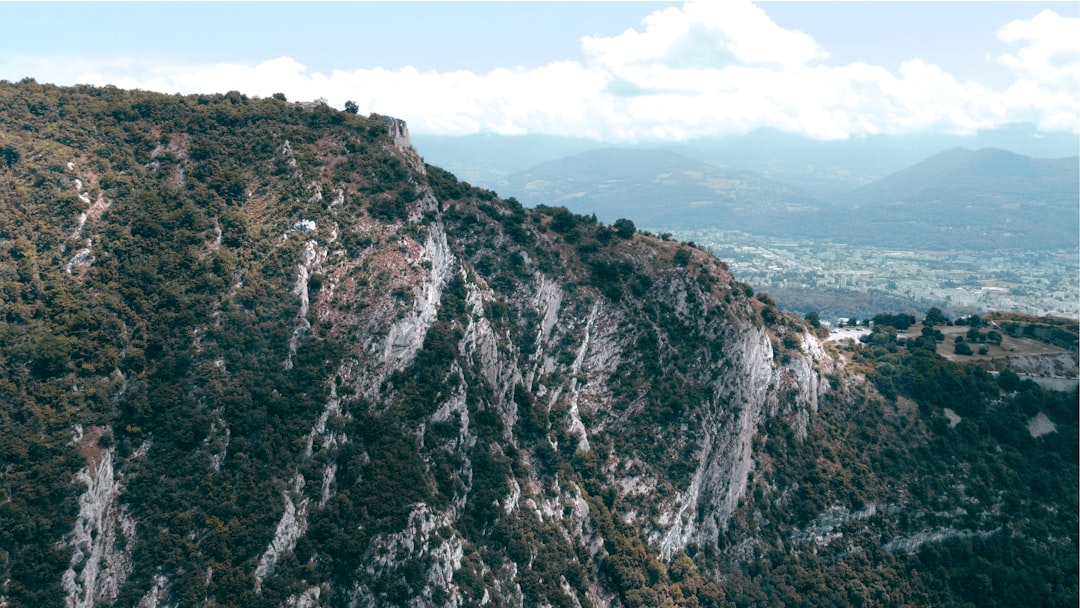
(255, 352)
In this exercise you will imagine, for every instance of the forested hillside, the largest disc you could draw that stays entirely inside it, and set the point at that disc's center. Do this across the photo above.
(257, 353)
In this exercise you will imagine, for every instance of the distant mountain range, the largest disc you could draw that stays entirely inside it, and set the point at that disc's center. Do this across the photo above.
(654, 187)
(829, 168)
(985, 176)
(820, 168)
(987, 197)
(983, 199)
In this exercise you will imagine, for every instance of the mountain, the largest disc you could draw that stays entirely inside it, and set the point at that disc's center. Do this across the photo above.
(822, 169)
(988, 175)
(257, 353)
(655, 188)
(986, 196)
(830, 168)
(956, 199)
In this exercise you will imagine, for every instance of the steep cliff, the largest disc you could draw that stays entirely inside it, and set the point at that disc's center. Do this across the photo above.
(320, 372)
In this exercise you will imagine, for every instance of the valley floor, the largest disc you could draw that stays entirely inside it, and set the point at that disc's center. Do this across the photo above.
(1031, 282)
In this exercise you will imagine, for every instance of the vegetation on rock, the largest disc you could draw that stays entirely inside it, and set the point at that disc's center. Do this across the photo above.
(297, 366)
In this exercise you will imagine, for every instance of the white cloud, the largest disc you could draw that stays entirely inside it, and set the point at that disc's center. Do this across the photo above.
(1047, 67)
(704, 68)
(704, 34)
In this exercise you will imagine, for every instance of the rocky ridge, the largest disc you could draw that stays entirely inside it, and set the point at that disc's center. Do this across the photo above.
(409, 392)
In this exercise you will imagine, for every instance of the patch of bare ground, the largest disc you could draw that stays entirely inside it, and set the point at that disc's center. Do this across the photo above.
(89, 448)
(996, 357)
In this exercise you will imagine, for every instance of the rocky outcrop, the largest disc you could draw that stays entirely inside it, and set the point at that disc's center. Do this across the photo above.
(743, 397)
(103, 534)
(291, 526)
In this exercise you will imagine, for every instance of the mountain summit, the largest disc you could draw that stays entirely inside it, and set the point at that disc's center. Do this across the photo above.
(257, 353)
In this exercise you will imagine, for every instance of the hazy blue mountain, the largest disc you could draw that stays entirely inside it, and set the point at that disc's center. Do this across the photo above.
(986, 197)
(654, 187)
(959, 198)
(963, 176)
(826, 168)
(820, 168)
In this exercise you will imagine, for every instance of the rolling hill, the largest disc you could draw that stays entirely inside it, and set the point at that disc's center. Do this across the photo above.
(656, 187)
(987, 198)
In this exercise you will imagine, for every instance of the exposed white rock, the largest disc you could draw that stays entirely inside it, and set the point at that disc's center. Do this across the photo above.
(444, 550)
(339, 198)
(311, 259)
(742, 398)
(221, 434)
(636, 485)
(102, 537)
(822, 530)
(328, 478)
(445, 560)
(912, 543)
(141, 451)
(319, 430)
(547, 301)
(511, 501)
(155, 598)
(580, 524)
(79, 223)
(95, 211)
(291, 526)
(954, 418)
(317, 196)
(304, 226)
(569, 591)
(399, 132)
(406, 336)
(215, 245)
(1040, 425)
(456, 406)
(308, 599)
(576, 426)
(499, 367)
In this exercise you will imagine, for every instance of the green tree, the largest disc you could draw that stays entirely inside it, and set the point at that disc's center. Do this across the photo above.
(1008, 380)
(934, 316)
(899, 321)
(624, 228)
(11, 156)
(351, 107)
(563, 220)
(682, 257)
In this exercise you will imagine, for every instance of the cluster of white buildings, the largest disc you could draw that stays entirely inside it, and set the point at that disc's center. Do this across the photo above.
(1032, 282)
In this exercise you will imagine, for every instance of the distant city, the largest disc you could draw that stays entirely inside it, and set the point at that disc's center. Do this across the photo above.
(1036, 282)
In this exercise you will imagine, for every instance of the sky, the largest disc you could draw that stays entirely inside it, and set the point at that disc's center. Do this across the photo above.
(616, 71)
